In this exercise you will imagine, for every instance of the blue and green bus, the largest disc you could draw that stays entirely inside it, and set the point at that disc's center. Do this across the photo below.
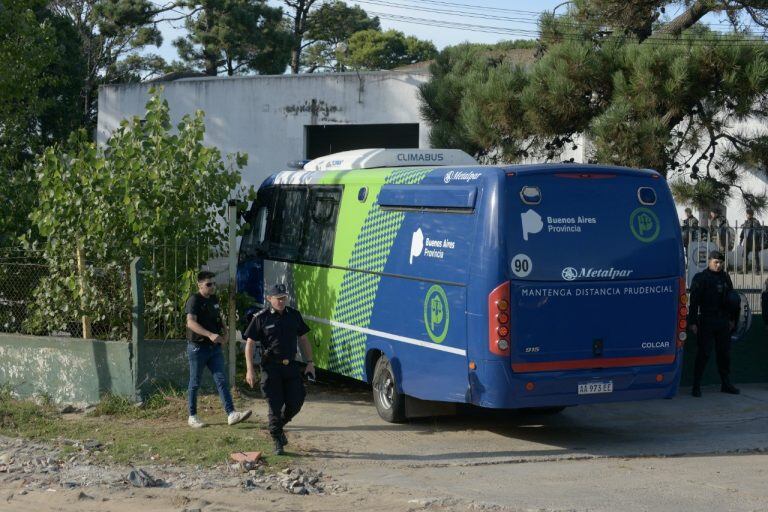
(436, 279)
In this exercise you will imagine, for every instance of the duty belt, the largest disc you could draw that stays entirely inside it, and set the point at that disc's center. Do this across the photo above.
(267, 359)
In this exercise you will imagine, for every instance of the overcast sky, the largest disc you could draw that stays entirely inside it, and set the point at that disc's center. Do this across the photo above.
(444, 22)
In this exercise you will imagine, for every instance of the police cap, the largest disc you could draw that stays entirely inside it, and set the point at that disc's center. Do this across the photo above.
(716, 255)
(277, 290)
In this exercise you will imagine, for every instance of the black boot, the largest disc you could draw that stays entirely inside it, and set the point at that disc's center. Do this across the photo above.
(729, 388)
(279, 446)
(283, 439)
(696, 391)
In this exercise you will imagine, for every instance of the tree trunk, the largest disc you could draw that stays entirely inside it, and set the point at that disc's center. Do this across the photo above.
(296, 58)
(298, 34)
(210, 55)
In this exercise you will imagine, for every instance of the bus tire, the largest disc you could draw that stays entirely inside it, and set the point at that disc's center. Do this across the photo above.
(389, 403)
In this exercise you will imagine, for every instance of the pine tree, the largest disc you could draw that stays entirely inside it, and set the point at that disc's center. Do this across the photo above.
(646, 91)
(234, 37)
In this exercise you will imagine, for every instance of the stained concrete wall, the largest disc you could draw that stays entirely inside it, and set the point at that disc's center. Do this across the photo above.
(164, 363)
(75, 371)
(265, 116)
(71, 371)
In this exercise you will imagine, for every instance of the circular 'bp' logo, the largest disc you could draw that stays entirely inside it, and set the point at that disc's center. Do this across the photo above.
(644, 224)
(436, 313)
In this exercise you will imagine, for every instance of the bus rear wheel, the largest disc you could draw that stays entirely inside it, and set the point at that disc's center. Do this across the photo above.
(389, 403)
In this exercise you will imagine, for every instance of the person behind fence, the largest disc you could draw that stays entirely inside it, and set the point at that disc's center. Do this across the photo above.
(690, 228)
(750, 231)
(276, 329)
(712, 318)
(718, 228)
(205, 335)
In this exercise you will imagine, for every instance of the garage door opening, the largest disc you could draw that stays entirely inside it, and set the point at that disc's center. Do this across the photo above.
(326, 139)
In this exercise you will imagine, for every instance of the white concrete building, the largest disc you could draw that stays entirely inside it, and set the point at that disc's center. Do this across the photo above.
(277, 119)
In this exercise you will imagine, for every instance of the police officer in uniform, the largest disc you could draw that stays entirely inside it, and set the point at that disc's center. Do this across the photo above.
(276, 329)
(711, 319)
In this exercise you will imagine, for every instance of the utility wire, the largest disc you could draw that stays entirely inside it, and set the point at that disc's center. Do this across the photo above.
(483, 8)
(471, 14)
(660, 40)
(532, 18)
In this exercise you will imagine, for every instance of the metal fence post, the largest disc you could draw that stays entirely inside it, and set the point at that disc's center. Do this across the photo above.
(137, 319)
(86, 321)
(232, 264)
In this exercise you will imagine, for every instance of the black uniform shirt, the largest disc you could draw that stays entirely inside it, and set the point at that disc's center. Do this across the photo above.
(709, 296)
(749, 230)
(208, 315)
(277, 333)
(691, 222)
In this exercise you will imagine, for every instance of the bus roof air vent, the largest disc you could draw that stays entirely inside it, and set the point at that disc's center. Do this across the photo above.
(376, 158)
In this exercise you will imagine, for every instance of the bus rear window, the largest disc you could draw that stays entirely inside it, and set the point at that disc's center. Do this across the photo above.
(591, 229)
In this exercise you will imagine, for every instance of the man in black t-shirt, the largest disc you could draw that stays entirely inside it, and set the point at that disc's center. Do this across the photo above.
(205, 335)
(277, 328)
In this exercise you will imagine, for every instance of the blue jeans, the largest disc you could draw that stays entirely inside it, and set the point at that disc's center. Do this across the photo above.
(201, 356)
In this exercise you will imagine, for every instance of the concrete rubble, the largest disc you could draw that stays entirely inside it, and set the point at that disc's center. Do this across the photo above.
(69, 464)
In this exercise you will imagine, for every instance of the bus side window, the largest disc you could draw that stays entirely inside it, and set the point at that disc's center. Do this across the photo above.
(260, 227)
(253, 241)
(320, 225)
(287, 224)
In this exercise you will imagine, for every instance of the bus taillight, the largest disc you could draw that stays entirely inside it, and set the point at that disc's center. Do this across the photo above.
(682, 315)
(498, 320)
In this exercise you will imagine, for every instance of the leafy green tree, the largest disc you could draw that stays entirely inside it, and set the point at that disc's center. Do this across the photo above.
(235, 37)
(113, 37)
(373, 49)
(330, 27)
(39, 92)
(674, 99)
(150, 184)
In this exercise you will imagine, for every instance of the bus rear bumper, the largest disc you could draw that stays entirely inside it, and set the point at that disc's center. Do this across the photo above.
(494, 385)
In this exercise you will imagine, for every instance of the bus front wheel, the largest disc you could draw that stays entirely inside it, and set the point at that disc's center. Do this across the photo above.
(389, 403)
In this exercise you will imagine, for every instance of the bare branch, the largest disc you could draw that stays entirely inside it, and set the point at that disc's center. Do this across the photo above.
(690, 17)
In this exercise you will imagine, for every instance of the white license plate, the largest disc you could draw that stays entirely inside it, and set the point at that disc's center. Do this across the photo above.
(593, 388)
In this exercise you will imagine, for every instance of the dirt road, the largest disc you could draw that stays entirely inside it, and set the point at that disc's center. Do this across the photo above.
(681, 454)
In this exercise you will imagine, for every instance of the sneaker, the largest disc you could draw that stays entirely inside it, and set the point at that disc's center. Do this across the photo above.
(696, 391)
(283, 439)
(236, 417)
(279, 447)
(730, 389)
(194, 422)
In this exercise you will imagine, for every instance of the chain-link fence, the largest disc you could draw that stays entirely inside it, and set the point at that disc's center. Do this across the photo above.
(40, 298)
(20, 273)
